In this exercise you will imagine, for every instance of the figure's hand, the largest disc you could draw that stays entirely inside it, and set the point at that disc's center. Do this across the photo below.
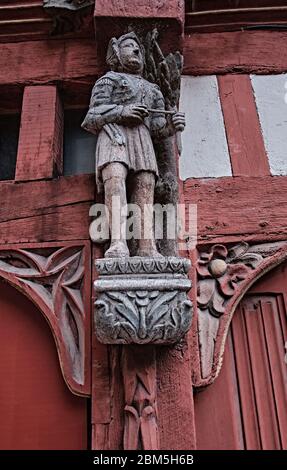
(134, 114)
(178, 121)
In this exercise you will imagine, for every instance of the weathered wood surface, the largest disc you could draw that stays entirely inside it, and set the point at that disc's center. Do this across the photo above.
(245, 141)
(140, 8)
(40, 147)
(43, 62)
(76, 62)
(260, 52)
(175, 397)
(234, 15)
(235, 209)
(46, 210)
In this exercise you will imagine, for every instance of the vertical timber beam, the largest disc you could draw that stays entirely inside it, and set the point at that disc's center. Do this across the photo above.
(151, 399)
(41, 134)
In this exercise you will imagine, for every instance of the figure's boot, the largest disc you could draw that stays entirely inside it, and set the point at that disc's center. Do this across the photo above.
(114, 177)
(143, 196)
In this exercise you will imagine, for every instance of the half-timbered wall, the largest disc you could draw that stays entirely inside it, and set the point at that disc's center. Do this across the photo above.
(232, 167)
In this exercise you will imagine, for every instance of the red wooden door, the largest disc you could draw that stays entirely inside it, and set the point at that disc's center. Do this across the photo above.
(37, 411)
(246, 408)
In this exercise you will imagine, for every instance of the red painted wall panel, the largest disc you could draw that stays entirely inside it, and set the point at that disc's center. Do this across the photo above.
(37, 411)
(246, 406)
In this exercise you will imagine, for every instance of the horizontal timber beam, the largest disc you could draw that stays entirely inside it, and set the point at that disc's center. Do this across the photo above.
(242, 208)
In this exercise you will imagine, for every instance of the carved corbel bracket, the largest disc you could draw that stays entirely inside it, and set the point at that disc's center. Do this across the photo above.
(56, 278)
(142, 300)
(68, 14)
(224, 274)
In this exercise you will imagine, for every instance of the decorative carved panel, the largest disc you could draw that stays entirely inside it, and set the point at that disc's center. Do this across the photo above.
(57, 280)
(140, 386)
(142, 300)
(224, 274)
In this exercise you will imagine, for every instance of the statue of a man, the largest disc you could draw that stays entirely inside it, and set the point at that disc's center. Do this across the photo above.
(128, 113)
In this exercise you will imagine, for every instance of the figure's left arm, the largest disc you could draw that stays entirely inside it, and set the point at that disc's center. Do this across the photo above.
(165, 125)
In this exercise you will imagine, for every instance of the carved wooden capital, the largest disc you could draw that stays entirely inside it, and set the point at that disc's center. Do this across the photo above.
(57, 280)
(224, 274)
(142, 300)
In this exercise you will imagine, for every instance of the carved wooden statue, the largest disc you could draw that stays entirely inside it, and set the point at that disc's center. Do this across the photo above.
(129, 114)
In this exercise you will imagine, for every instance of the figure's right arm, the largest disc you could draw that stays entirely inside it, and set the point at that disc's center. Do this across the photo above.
(101, 110)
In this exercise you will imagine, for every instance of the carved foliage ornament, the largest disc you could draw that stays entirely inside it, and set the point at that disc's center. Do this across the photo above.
(55, 280)
(142, 300)
(224, 274)
(140, 412)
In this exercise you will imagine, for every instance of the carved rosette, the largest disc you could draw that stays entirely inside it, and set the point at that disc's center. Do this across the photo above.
(142, 300)
(224, 274)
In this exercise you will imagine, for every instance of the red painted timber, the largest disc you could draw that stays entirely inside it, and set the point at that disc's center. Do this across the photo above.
(55, 224)
(242, 127)
(239, 52)
(46, 210)
(175, 398)
(275, 324)
(37, 410)
(141, 8)
(43, 62)
(23, 200)
(275, 349)
(245, 380)
(217, 410)
(40, 147)
(233, 209)
(76, 63)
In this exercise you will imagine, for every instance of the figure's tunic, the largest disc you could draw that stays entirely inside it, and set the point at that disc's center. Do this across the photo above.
(131, 146)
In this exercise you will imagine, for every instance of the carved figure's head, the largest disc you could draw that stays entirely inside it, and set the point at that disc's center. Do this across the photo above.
(126, 54)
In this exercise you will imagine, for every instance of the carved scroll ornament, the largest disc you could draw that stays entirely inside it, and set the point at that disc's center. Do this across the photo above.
(56, 281)
(142, 300)
(224, 274)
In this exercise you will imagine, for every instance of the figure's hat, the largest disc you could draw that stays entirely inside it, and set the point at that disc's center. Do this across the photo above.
(113, 55)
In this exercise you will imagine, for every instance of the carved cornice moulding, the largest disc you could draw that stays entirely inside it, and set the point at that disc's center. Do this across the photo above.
(56, 278)
(224, 275)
